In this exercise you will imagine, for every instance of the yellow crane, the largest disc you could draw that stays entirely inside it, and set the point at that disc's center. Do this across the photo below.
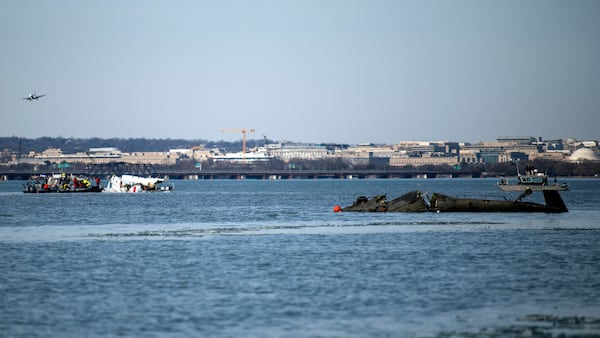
(244, 132)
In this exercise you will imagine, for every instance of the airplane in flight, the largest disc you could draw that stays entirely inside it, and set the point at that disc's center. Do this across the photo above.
(33, 96)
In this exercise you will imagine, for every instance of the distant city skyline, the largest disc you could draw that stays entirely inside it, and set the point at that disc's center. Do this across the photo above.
(312, 71)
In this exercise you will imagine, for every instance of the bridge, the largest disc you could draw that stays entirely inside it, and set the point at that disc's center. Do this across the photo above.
(304, 174)
(105, 170)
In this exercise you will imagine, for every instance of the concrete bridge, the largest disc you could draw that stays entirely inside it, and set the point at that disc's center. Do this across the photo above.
(303, 174)
(241, 173)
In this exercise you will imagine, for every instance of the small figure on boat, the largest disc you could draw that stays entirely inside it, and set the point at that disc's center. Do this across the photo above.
(530, 170)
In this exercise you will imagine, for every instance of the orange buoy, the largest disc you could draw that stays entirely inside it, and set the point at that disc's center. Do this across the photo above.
(337, 208)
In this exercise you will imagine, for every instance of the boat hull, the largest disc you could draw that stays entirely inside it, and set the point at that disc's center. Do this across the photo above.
(524, 187)
(57, 183)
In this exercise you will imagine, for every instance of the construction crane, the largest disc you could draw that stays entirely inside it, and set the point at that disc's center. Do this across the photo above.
(244, 132)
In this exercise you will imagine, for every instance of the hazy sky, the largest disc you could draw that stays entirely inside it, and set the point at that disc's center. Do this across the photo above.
(345, 71)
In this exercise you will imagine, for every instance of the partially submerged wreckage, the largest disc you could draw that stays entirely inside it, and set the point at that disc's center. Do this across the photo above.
(416, 201)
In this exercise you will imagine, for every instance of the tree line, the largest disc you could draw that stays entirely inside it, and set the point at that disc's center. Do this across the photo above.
(74, 145)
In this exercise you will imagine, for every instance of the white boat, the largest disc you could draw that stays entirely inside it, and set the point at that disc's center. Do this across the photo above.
(135, 184)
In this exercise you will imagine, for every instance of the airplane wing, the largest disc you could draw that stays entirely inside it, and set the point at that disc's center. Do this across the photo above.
(32, 97)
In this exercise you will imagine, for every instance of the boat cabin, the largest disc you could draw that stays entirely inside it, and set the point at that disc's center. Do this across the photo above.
(539, 179)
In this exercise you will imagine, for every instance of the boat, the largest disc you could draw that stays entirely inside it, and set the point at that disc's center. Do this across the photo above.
(532, 180)
(60, 183)
(136, 184)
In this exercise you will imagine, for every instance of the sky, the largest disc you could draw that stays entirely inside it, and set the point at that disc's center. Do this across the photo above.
(339, 71)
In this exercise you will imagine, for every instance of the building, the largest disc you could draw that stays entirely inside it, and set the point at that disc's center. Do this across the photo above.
(288, 152)
(584, 155)
(106, 155)
(416, 161)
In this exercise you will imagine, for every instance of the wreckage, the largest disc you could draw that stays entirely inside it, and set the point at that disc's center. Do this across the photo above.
(409, 202)
(417, 201)
(135, 184)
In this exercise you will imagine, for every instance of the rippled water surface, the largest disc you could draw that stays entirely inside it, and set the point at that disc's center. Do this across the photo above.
(270, 258)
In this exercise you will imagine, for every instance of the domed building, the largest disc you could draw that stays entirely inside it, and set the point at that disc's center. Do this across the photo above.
(584, 154)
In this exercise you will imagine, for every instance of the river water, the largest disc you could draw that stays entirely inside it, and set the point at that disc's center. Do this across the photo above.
(252, 258)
